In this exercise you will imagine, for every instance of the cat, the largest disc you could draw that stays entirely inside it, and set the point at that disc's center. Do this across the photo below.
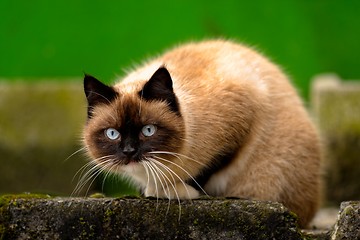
(212, 117)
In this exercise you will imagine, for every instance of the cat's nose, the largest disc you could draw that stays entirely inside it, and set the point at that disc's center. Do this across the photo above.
(129, 150)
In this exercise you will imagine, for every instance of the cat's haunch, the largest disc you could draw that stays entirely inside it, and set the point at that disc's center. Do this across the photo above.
(212, 117)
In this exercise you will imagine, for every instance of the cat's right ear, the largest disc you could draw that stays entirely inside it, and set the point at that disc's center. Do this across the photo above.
(97, 93)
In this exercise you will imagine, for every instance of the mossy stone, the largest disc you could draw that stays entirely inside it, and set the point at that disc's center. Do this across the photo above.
(336, 105)
(107, 218)
(348, 223)
(40, 127)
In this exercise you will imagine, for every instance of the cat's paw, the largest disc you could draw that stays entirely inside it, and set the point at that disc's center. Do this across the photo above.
(185, 191)
(179, 191)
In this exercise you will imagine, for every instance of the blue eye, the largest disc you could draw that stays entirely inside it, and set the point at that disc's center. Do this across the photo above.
(112, 133)
(148, 130)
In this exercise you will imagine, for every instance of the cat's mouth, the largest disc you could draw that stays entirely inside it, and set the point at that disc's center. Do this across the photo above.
(131, 161)
(136, 159)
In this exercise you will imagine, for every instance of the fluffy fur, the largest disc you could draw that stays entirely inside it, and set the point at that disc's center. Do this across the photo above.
(227, 122)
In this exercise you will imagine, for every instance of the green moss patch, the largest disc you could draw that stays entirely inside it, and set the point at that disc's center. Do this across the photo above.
(138, 218)
(11, 199)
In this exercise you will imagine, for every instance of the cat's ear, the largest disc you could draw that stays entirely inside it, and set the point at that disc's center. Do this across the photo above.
(97, 93)
(160, 87)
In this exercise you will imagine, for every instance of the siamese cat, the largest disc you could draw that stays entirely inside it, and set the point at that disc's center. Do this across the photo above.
(213, 117)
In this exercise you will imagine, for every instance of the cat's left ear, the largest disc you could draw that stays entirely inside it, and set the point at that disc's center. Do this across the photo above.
(97, 93)
(160, 87)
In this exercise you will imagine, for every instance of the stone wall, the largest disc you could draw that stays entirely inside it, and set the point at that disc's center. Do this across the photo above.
(40, 127)
(41, 217)
(336, 106)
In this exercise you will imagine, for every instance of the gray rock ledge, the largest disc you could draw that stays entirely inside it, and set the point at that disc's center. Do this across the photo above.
(135, 218)
(348, 223)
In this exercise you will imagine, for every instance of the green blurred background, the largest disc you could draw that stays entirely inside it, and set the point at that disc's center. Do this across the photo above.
(65, 38)
(52, 39)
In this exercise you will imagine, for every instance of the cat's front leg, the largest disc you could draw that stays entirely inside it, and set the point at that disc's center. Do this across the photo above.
(172, 191)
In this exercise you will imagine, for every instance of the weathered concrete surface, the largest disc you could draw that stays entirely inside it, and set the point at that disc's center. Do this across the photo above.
(348, 223)
(336, 105)
(40, 126)
(75, 218)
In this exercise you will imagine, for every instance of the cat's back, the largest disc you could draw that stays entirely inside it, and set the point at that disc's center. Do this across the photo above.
(212, 66)
(220, 61)
(226, 80)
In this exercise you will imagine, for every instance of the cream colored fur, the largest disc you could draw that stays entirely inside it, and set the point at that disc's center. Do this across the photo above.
(231, 96)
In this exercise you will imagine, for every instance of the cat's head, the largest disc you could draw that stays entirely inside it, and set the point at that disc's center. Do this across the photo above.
(128, 127)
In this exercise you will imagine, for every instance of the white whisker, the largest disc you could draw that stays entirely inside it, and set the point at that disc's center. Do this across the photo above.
(173, 184)
(166, 189)
(166, 179)
(94, 177)
(100, 170)
(85, 179)
(178, 155)
(181, 168)
(82, 182)
(82, 169)
(147, 174)
(74, 153)
(154, 178)
(92, 162)
(163, 186)
(108, 172)
(158, 177)
(95, 168)
(171, 172)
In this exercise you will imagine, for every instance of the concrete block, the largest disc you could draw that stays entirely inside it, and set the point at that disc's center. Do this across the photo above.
(40, 126)
(348, 223)
(336, 105)
(107, 218)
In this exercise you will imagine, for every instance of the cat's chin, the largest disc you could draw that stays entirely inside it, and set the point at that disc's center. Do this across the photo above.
(132, 167)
